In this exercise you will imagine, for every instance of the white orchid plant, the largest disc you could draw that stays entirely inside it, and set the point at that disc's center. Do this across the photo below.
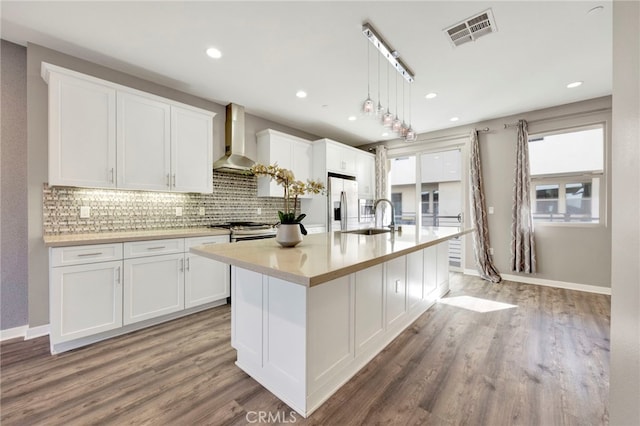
(292, 190)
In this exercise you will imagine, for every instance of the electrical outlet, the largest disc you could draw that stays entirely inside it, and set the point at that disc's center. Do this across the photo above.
(259, 211)
(491, 210)
(178, 211)
(201, 211)
(491, 251)
(85, 212)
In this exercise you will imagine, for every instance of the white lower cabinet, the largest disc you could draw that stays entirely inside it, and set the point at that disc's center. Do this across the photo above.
(153, 286)
(85, 299)
(396, 289)
(205, 280)
(102, 290)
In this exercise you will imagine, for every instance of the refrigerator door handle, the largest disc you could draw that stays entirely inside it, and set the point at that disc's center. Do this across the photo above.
(343, 211)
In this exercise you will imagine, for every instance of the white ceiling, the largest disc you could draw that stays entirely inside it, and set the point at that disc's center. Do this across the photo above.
(272, 49)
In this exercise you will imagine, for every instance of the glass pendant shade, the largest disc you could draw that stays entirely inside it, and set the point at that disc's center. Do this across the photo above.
(380, 110)
(387, 119)
(368, 107)
(396, 125)
(404, 129)
(411, 135)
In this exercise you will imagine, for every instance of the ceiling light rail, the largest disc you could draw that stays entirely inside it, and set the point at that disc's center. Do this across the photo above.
(387, 51)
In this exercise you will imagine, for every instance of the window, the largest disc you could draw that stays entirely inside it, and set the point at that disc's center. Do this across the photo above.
(567, 172)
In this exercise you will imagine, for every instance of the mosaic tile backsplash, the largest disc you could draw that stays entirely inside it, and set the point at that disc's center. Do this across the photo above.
(234, 198)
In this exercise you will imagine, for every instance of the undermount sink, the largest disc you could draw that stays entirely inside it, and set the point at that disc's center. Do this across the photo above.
(369, 231)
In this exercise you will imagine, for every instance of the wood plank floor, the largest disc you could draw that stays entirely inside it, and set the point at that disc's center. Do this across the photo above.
(545, 362)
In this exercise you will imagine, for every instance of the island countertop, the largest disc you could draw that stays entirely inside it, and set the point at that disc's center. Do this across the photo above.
(324, 257)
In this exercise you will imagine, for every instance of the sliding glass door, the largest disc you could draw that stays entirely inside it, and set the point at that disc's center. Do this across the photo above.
(427, 190)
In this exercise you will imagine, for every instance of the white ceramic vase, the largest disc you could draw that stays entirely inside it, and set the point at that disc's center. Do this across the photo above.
(289, 234)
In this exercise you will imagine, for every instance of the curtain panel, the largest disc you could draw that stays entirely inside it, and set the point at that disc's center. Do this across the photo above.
(484, 263)
(523, 253)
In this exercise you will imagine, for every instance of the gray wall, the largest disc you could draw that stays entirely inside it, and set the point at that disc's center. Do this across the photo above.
(37, 151)
(624, 391)
(13, 187)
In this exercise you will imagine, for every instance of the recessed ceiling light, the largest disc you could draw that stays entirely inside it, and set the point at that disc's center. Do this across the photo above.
(595, 10)
(352, 118)
(214, 53)
(431, 95)
(454, 119)
(301, 94)
(574, 84)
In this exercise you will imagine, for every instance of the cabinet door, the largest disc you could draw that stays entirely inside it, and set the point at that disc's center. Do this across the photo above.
(414, 278)
(82, 133)
(341, 159)
(430, 272)
(396, 289)
(144, 143)
(153, 286)
(301, 153)
(192, 150)
(443, 266)
(369, 306)
(366, 176)
(206, 280)
(85, 300)
(273, 148)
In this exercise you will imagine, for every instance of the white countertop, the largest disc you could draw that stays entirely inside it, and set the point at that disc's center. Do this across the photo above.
(118, 237)
(323, 257)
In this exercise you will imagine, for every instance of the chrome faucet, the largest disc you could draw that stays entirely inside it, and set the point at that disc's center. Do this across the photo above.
(392, 225)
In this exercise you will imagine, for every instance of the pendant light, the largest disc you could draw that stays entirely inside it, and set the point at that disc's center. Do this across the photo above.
(403, 127)
(396, 124)
(387, 118)
(367, 106)
(411, 135)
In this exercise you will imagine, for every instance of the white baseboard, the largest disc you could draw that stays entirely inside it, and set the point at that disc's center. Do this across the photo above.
(12, 333)
(39, 331)
(549, 283)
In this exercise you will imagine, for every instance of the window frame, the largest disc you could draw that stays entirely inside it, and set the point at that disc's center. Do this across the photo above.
(562, 179)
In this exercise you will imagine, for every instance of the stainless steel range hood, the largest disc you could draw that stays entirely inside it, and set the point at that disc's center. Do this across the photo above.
(234, 160)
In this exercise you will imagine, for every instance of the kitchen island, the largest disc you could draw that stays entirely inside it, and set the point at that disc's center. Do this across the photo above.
(304, 320)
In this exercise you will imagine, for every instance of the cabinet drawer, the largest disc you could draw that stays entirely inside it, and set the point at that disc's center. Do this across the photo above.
(154, 247)
(77, 255)
(204, 241)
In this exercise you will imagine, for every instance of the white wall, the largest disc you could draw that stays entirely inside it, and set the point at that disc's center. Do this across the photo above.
(624, 390)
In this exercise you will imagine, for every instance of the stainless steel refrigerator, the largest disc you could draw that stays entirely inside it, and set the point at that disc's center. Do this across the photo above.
(343, 202)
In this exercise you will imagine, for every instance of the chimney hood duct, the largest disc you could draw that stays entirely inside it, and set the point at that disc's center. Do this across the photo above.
(234, 160)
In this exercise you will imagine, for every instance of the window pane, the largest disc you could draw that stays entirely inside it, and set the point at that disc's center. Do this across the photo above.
(546, 202)
(580, 151)
(570, 201)
(402, 178)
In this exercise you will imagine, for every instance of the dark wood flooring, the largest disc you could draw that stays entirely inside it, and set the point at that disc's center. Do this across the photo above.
(545, 362)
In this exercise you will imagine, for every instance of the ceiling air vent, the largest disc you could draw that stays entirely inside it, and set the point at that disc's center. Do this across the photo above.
(472, 28)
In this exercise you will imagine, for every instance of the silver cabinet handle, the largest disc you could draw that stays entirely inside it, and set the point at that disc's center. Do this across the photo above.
(188, 264)
(111, 175)
(117, 275)
(174, 180)
(98, 253)
(181, 265)
(168, 180)
(156, 248)
(398, 286)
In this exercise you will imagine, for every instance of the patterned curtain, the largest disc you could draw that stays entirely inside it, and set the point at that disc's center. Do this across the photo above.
(523, 253)
(481, 245)
(382, 172)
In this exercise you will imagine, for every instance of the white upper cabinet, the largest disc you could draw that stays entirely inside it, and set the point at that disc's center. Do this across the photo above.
(104, 135)
(192, 150)
(366, 175)
(144, 143)
(288, 152)
(341, 159)
(82, 133)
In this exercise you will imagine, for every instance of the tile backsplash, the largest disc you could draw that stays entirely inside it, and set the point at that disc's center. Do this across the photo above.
(234, 198)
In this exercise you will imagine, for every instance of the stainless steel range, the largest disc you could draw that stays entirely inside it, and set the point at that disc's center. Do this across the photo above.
(245, 231)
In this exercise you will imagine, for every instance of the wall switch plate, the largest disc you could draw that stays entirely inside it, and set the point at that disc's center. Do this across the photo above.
(178, 211)
(85, 212)
(201, 211)
(491, 210)
(491, 251)
(259, 211)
